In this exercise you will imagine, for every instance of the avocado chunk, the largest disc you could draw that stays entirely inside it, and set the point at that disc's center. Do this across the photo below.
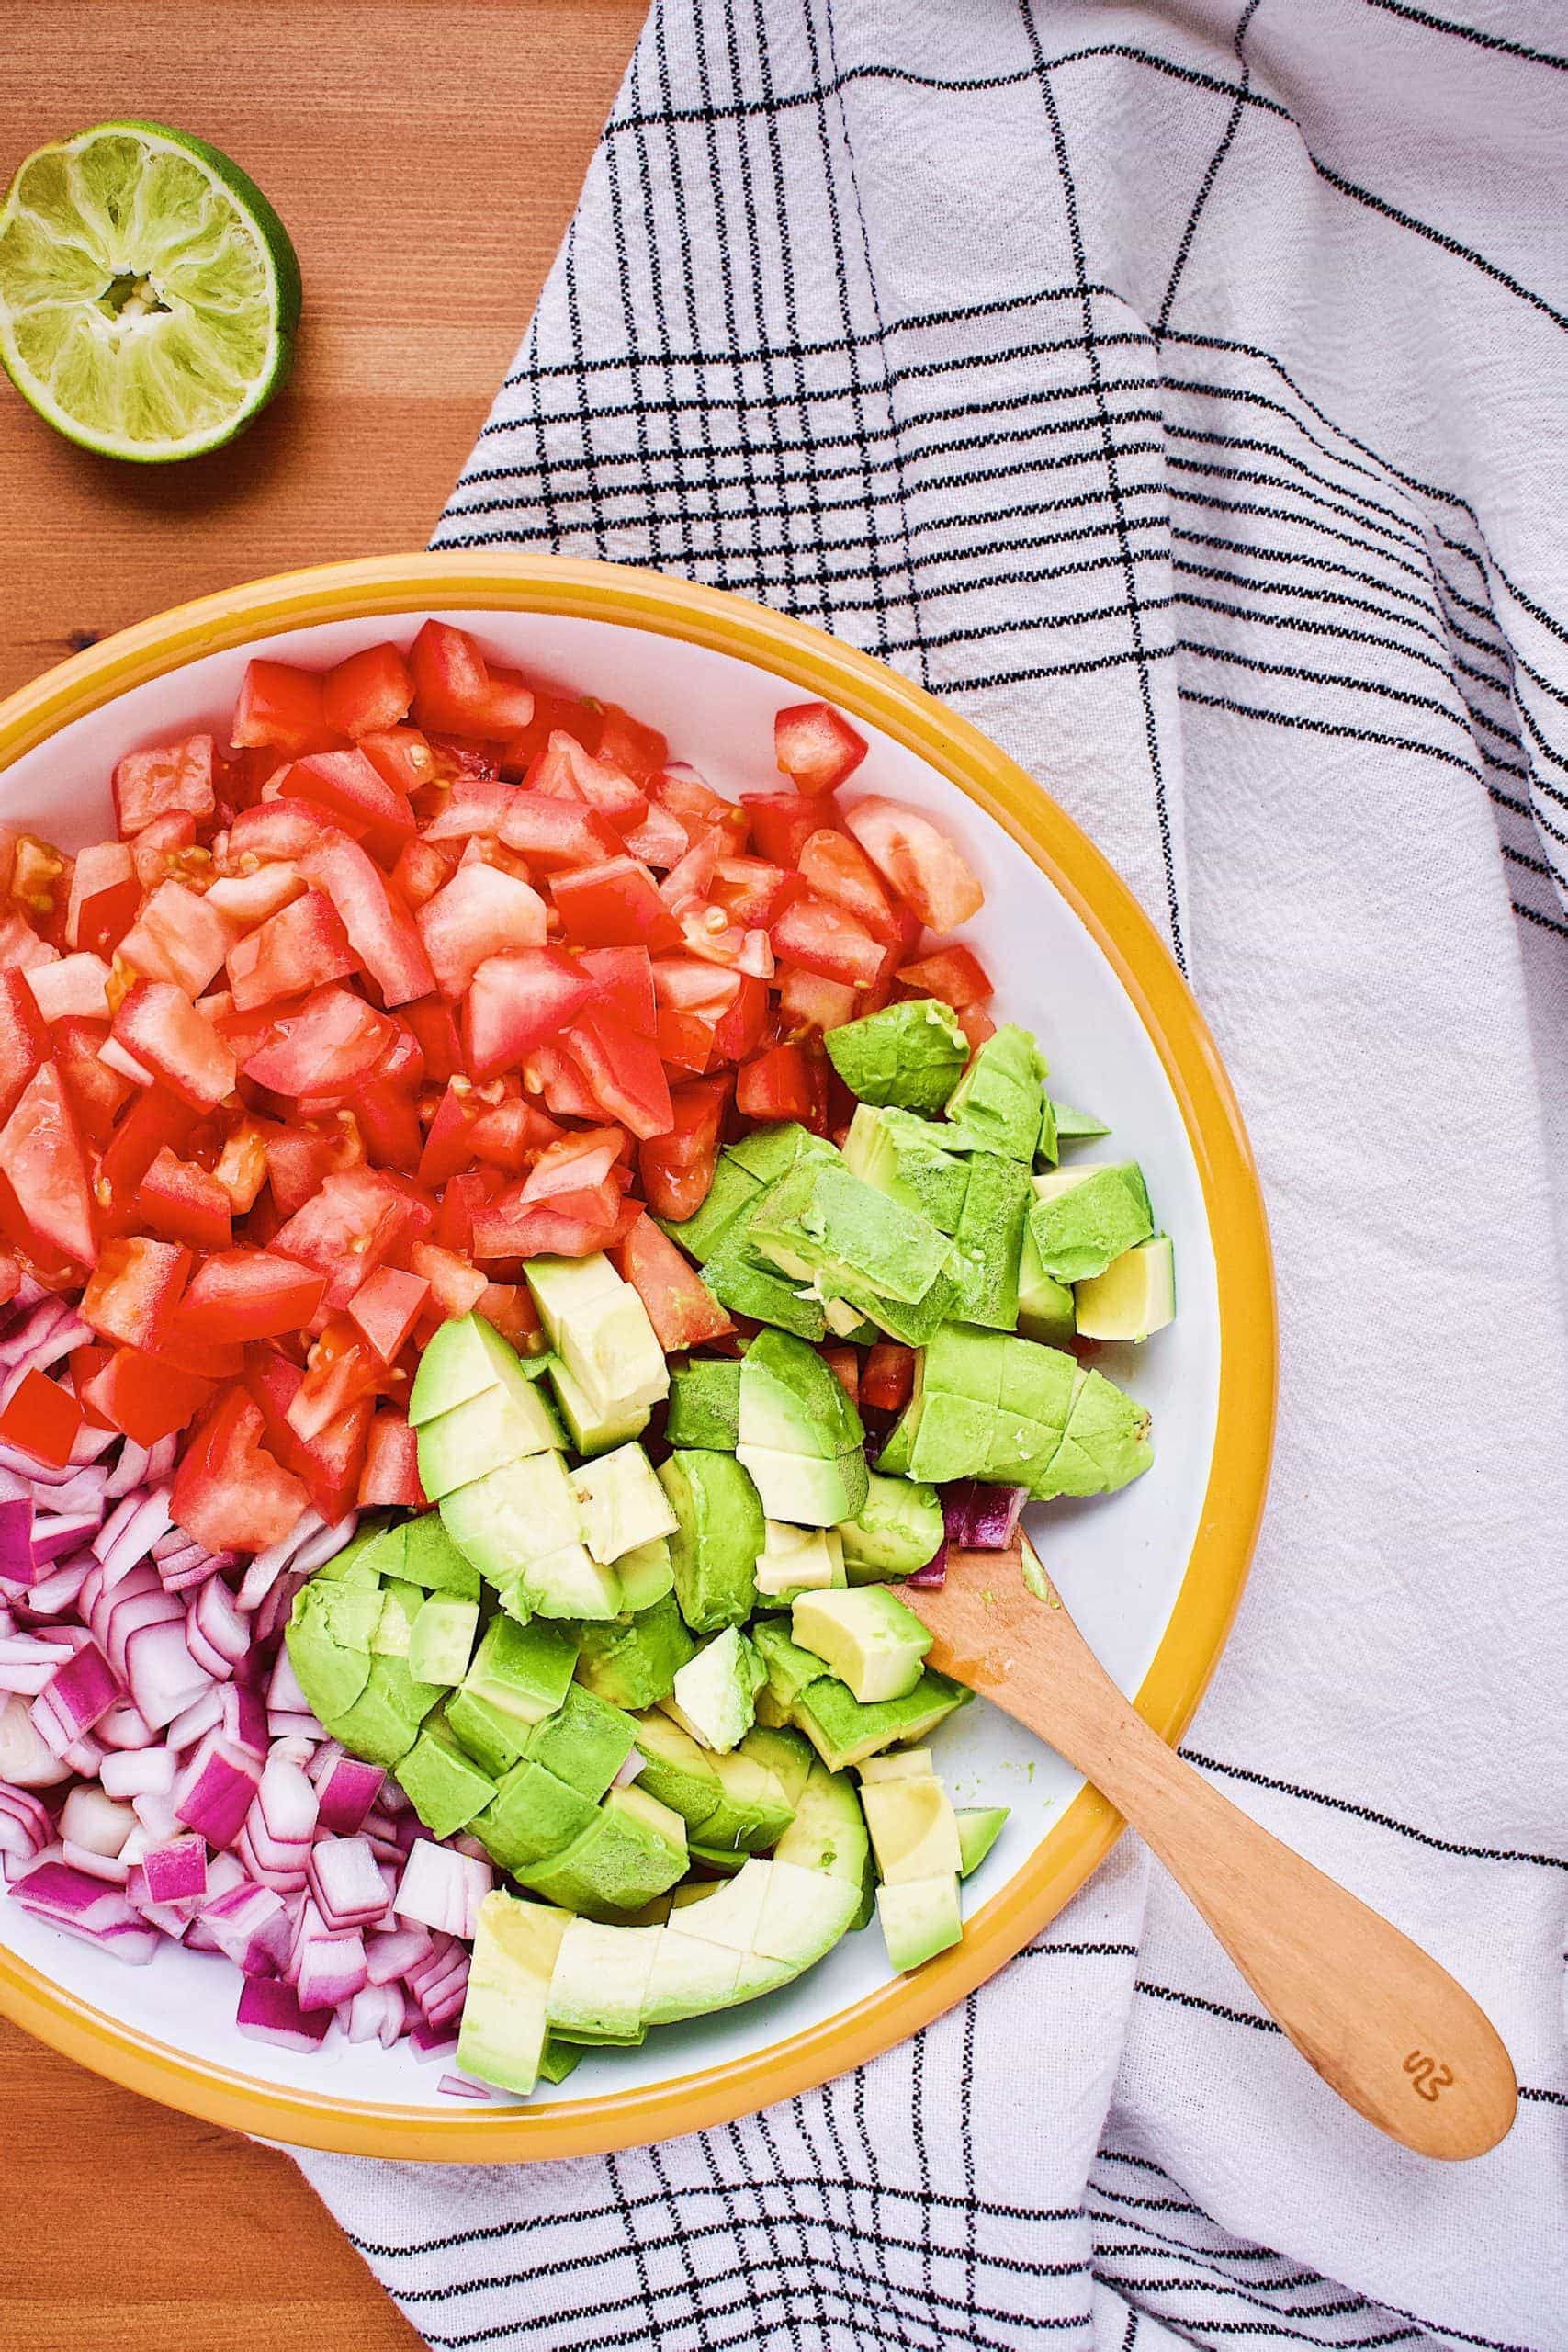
(753, 1809)
(978, 1830)
(494, 1740)
(594, 1427)
(375, 1550)
(767, 1153)
(999, 1104)
(843, 1732)
(464, 1358)
(919, 1917)
(330, 1631)
(633, 1664)
(1134, 1295)
(704, 1404)
(810, 1493)
(714, 1693)
(798, 1559)
(567, 1583)
(383, 1722)
(676, 1769)
(633, 1849)
(1076, 1126)
(785, 1754)
(645, 1574)
(621, 1503)
(600, 1980)
(867, 1637)
(792, 1400)
(897, 1530)
(584, 1743)
(1084, 1216)
(790, 1669)
(1106, 1443)
(532, 1817)
(432, 1560)
(746, 1281)
(440, 1639)
(988, 1241)
(690, 1978)
(1046, 1309)
(401, 1604)
(821, 1225)
(904, 1157)
(733, 1190)
(442, 1783)
(914, 1830)
(910, 1054)
(998, 1408)
(513, 1516)
(899, 1764)
(503, 2035)
(599, 1329)
(829, 1831)
(523, 1670)
(718, 1537)
(483, 1434)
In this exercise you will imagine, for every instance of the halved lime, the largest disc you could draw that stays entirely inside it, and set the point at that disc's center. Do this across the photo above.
(149, 293)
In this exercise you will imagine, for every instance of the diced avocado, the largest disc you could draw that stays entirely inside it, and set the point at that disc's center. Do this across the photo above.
(1108, 1431)
(978, 1830)
(463, 1359)
(1045, 1150)
(843, 1732)
(1134, 1295)
(567, 1583)
(633, 1849)
(401, 1604)
(999, 1104)
(910, 1054)
(903, 1156)
(621, 1502)
(893, 1462)
(600, 1980)
(441, 1640)
(513, 1516)
(532, 1817)
(767, 1153)
(704, 1404)
(804, 1914)
(717, 1538)
(494, 1740)
(914, 1830)
(373, 1551)
(689, 1978)
(634, 1665)
(433, 1560)
(561, 2058)
(821, 1225)
(1046, 1309)
(592, 1428)
(792, 1400)
(501, 2038)
(714, 1693)
(986, 1406)
(1077, 1126)
(728, 1862)
(798, 1559)
(899, 1764)
(829, 1831)
(753, 1809)
(742, 1280)
(523, 1669)
(442, 1783)
(484, 1434)
(584, 1743)
(646, 1575)
(1086, 1215)
(785, 1754)
(919, 1917)
(990, 1239)
(599, 1328)
(732, 1190)
(729, 1916)
(867, 1637)
(808, 1492)
(897, 1530)
(329, 1634)
(676, 1770)
(383, 1722)
(790, 1669)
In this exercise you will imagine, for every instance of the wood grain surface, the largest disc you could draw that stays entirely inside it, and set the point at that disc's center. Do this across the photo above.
(425, 157)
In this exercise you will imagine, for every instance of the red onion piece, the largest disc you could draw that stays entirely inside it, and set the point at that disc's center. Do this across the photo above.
(269, 2012)
(459, 2086)
(274, 1844)
(24, 1826)
(76, 1696)
(125, 1726)
(378, 2013)
(329, 1968)
(177, 1872)
(396, 1953)
(980, 1518)
(217, 1789)
(93, 1821)
(86, 1907)
(431, 2041)
(346, 1791)
(216, 1635)
(628, 1771)
(345, 1884)
(442, 1889)
(250, 1924)
(934, 1576)
(138, 1772)
(29, 1661)
(439, 1981)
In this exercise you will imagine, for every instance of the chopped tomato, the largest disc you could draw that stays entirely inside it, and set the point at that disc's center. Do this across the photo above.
(245, 1294)
(300, 947)
(434, 1024)
(739, 1033)
(229, 1493)
(836, 867)
(623, 1072)
(241, 1166)
(455, 1287)
(509, 1308)
(71, 988)
(458, 692)
(320, 1047)
(508, 1228)
(359, 1219)
(685, 887)
(401, 755)
(176, 937)
(515, 1002)
(158, 1024)
(380, 931)
(916, 857)
(844, 1364)
(282, 707)
(97, 1093)
(779, 1084)
(753, 891)
(133, 1290)
(815, 747)
(300, 1158)
(42, 1160)
(551, 1073)
(623, 977)
(368, 691)
(333, 1462)
(695, 805)
(390, 1479)
(23, 1039)
(478, 914)
(382, 1102)
(567, 772)
(808, 1002)
(181, 1202)
(172, 779)
(162, 848)
(677, 1166)
(355, 793)
(954, 974)
(827, 940)
(340, 1370)
(977, 1024)
(887, 1382)
(154, 1118)
(246, 899)
(680, 1307)
(614, 904)
(21, 949)
(144, 1398)
(783, 822)
(387, 1307)
(555, 836)
(624, 742)
(468, 808)
(660, 839)
(41, 1418)
(573, 1162)
(104, 896)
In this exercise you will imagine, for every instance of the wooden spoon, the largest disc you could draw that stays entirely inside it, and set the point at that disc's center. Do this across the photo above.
(1383, 2025)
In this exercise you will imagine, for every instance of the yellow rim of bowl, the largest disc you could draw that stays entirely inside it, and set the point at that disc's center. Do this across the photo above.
(1239, 1475)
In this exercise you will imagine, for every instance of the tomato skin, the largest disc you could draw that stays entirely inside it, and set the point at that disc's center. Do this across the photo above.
(677, 1167)
(614, 904)
(887, 1382)
(300, 1158)
(815, 747)
(623, 1072)
(777, 1085)
(626, 743)
(434, 1025)
(42, 1161)
(916, 858)
(623, 979)
(390, 1479)
(844, 1364)
(282, 707)
(549, 1228)
(955, 975)
(680, 1307)
(97, 1093)
(360, 1217)
(354, 795)
(478, 913)
(104, 896)
(333, 1462)
(382, 1105)
(509, 1308)
(366, 692)
(133, 1290)
(301, 947)
(387, 1306)
(457, 690)
(158, 1024)
(154, 1118)
(807, 1001)
(229, 1492)
(171, 779)
(247, 1294)
(43, 1418)
(23, 1039)
(783, 822)
(828, 940)
(144, 1398)
(380, 931)
(181, 1201)
(320, 1046)
(515, 1002)
(339, 1371)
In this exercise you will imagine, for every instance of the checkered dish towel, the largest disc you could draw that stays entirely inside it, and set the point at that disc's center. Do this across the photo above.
(1182, 391)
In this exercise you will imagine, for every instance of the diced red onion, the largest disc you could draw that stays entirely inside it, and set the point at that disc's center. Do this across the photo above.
(89, 1818)
(934, 1576)
(25, 1827)
(86, 1907)
(273, 1615)
(192, 1722)
(345, 1884)
(330, 1970)
(83, 1756)
(459, 2086)
(51, 1595)
(397, 1952)
(269, 2012)
(628, 1771)
(130, 1533)
(249, 1926)
(138, 1772)
(28, 1661)
(163, 1675)
(346, 1791)
(157, 1815)
(274, 1844)
(125, 1726)
(217, 1789)
(243, 1717)
(378, 2013)
(216, 1634)
(177, 1872)
(431, 2041)
(76, 1696)
(54, 1533)
(439, 1981)
(979, 1517)
(167, 1918)
(223, 1875)
(115, 1868)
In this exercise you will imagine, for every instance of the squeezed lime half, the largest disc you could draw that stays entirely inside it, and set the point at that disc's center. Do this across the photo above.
(148, 292)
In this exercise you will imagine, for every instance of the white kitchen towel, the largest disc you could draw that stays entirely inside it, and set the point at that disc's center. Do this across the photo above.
(1181, 389)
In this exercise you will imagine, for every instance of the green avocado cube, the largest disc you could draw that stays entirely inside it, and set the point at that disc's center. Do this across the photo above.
(676, 1769)
(978, 1830)
(1084, 1216)
(843, 1732)
(1134, 1296)
(441, 1781)
(767, 1153)
(999, 1104)
(1110, 1430)
(464, 1358)
(440, 1639)
(600, 1980)
(584, 1743)
(375, 1550)
(635, 1665)
(714, 1694)
(401, 1604)
(804, 1488)
(919, 1917)
(1047, 1310)
(634, 1849)
(525, 1671)
(790, 1669)
(593, 1428)
(733, 1190)
(829, 1831)
(645, 1574)
(909, 1055)
(753, 1809)
(897, 1530)
(821, 1223)
(792, 1400)
(383, 1722)
(798, 1559)
(1076, 1126)
(330, 1631)
(717, 1538)
(599, 1329)
(567, 1583)
(866, 1637)
(1045, 1150)
(532, 1817)
(745, 1281)
(903, 1156)
(433, 1560)
(494, 1740)
(950, 1439)
(788, 1755)
(990, 1239)
(513, 1516)
(704, 1404)
(483, 1434)
(561, 2058)
(893, 1462)
(503, 2038)
(621, 1503)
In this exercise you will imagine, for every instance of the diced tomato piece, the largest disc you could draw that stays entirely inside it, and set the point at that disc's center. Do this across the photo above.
(782, 823)
(624, 980)
(299, 948)
(977, 1024)
(826, 939)
(753, 891)
(161, 848)
(401, 755)
(339, 1371)
(246, 901)
(552, 1229)
(677, 1167)
(623, 1072)
(24, 1038)
(469, 809)
(154, 1118)
(916, 857)
(739, 1031)
(685, 887)
(144, 1398)
(954, 974)
(627, 743)
(515, 1002)
(459, 756)
(241, 1166)
(480, 912)
(552, 1074)
(836, 867)
(509, 1308)
(43, 1418)
(381, 932)
(333, 1462)
(695, 805)
(133, 1290)
(179, 1200)
(660, 839)
(555, 836)
(228, 1493)
(176, 937)
(97, 1093)
(42, 1160)
(455, 1287)
(22, 949)
(777, 1085)
(616, 904)
(104, 896)
(808, 1002)
(281, 706)
(680, 1307)
(384, 1107)
(887, 1382)
(172, 779)
(321, 1046)
(572, 1162)
(567, 772)
(815, 747)
(845, 1366)
(159, 1025)
(359, 1219)
(422, 870)
(434, 1025)
(387, 1307)
(390, 1479)
(245, 1294)
(458, 692)
(355, 793)
(71, 988)
(367, 691)
(299, 1160)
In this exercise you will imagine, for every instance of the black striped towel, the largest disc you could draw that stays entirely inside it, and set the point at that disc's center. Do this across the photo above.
(1182, 390)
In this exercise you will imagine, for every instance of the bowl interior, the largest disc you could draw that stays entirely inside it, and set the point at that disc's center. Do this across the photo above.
(1119, 1560)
